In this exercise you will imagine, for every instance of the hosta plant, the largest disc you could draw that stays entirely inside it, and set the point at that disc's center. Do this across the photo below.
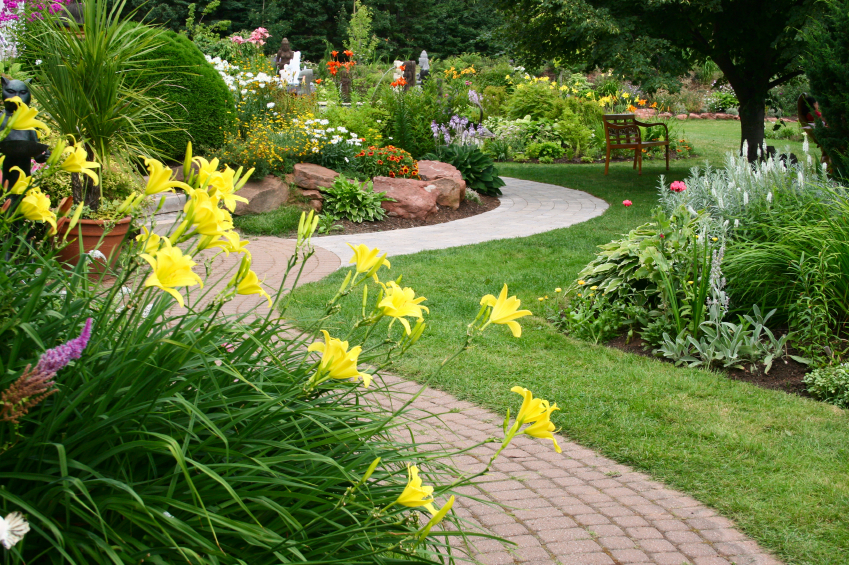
(476, 167)
(354, 201)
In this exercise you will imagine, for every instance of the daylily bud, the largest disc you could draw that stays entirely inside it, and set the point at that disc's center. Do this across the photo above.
(76, 217)
(187, 163)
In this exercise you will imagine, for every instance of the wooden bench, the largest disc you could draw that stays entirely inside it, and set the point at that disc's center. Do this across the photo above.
(622, 131)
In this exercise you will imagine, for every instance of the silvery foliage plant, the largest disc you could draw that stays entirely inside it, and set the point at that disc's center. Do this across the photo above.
(740, 189)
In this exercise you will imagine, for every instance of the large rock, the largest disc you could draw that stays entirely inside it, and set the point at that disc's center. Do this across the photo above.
(311, 176)
(263, 196)
(681, 116)
(448, 181)
(415, 199)
(693, 116)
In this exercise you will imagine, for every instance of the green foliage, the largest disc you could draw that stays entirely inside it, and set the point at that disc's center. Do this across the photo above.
(546, 149)
(197, 96)
(828, 50)
(720, 101)
(810, 316)
(85, 83)
(410, 115)
(361, 40)
(477, 168)
(537, 100)
(593, 318)
(830, 384)
(783, 130)
(354, 201)
(493, 99)
(282, 222)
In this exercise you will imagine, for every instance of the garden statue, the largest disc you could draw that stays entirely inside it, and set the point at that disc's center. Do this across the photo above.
(409, 74)
(345, 85)
(397, 72)
(284, 55)
(21, 146)
(305, 82)
(424, 65)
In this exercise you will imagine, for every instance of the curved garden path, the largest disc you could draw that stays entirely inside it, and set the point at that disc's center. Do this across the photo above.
(574, 508)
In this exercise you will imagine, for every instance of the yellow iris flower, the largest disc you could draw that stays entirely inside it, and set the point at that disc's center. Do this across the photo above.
(505, 311)
(400, 302)
(171, 269)
(415, 494)
(160, 178)
(76, 162)
(337, 361)
(24, 117)
(367, 260)
(250, 285)
(35, 206)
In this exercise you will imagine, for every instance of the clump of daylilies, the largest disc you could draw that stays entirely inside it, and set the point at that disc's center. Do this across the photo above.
(339, 361)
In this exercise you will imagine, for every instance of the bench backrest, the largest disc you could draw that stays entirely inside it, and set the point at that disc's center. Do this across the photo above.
(625, 129)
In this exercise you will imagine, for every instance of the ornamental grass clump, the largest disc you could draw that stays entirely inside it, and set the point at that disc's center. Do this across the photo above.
(156, 428)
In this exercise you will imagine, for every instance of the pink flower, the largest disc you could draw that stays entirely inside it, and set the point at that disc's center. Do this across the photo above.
(237, 39)
(626, 203)
(678, 186)
(662, 236)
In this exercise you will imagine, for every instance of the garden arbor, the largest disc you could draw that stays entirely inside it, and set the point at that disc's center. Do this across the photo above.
(755, 43)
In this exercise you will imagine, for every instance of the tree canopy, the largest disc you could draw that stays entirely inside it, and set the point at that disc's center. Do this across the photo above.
(405, 27)
(756, 43)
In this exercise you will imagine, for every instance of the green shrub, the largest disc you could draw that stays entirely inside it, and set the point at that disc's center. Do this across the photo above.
(548, 149)
(197, 96)
(830, 384)
(493, 100)
(354, 201)
(366, 120)
(537, 100)
(410, 115)
(477, 168)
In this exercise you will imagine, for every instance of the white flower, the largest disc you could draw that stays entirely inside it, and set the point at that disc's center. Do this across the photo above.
(270, 105)
(769, 197)
(331, 129)
(342, 129)
(244, 91)
(38, 61)
(96, 255)
(324, 122)
(346, 160)
(12, 529)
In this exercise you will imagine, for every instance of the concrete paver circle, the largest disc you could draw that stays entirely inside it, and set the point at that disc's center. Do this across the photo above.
(574, 508)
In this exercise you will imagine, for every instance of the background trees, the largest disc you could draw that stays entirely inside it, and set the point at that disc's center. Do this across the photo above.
(756, 44)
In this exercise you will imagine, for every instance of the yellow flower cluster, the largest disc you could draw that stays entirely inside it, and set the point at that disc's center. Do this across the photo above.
(452, 72)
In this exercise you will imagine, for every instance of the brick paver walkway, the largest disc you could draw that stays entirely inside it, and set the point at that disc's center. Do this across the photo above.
(574, 508)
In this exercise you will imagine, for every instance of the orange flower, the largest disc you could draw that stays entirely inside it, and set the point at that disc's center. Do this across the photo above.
(405, 170)
(318, 81)
(334, 53)
(654, 104)
(402, 68)
(371, 153)
(348, 53)
(379, 162)
(391, 174)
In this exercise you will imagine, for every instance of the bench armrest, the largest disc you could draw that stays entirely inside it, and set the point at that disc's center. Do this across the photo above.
(650, 124)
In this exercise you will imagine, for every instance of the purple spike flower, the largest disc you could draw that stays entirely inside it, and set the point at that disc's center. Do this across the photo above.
(56, 358)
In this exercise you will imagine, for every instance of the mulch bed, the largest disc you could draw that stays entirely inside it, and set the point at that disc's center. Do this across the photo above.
(784, 375)
(467, 209)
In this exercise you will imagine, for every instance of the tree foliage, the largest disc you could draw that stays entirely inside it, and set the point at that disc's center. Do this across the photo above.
(825, 62)
(405, 27)
(756, 44)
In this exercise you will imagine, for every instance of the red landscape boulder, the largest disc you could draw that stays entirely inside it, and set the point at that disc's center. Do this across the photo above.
(448, 181)
(414, 199)
(311, 176)
(263, 196)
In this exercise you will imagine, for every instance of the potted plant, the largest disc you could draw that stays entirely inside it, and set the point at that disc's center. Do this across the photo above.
(87, 84)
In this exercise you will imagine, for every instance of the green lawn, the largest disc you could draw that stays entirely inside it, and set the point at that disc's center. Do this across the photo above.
(776, 464)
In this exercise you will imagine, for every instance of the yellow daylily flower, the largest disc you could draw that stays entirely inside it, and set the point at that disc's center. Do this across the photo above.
(207, 217)
(230, 242)
(543, 428)
(400, 302)
(24, 117)
(367, 260)
(415, 494)
(337, 361)
(171, 269)
(250, 285)
(206, 169)
(505, 311)
(22, 184)
(35, 206)
(223, 185)
(76, 162)
(160, 178)
(151, 241)
(532, 408)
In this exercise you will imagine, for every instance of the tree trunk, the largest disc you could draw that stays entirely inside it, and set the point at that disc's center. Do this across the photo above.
(752, 113)
(77, 188)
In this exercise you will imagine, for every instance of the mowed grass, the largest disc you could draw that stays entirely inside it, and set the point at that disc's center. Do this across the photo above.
(775, 463)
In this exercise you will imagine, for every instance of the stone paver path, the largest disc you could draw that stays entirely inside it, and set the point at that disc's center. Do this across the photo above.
(527, 208)
(574, 508)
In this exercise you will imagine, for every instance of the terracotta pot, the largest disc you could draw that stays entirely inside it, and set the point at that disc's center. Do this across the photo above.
(92, 234)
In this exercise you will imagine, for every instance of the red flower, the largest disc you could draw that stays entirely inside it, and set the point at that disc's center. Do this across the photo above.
(626, 203)
(678, 186)
(391, 174)
(334, 53)
(348, 53)
(371, 153)
(379, 162)
(662, 236)
(405, 170)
